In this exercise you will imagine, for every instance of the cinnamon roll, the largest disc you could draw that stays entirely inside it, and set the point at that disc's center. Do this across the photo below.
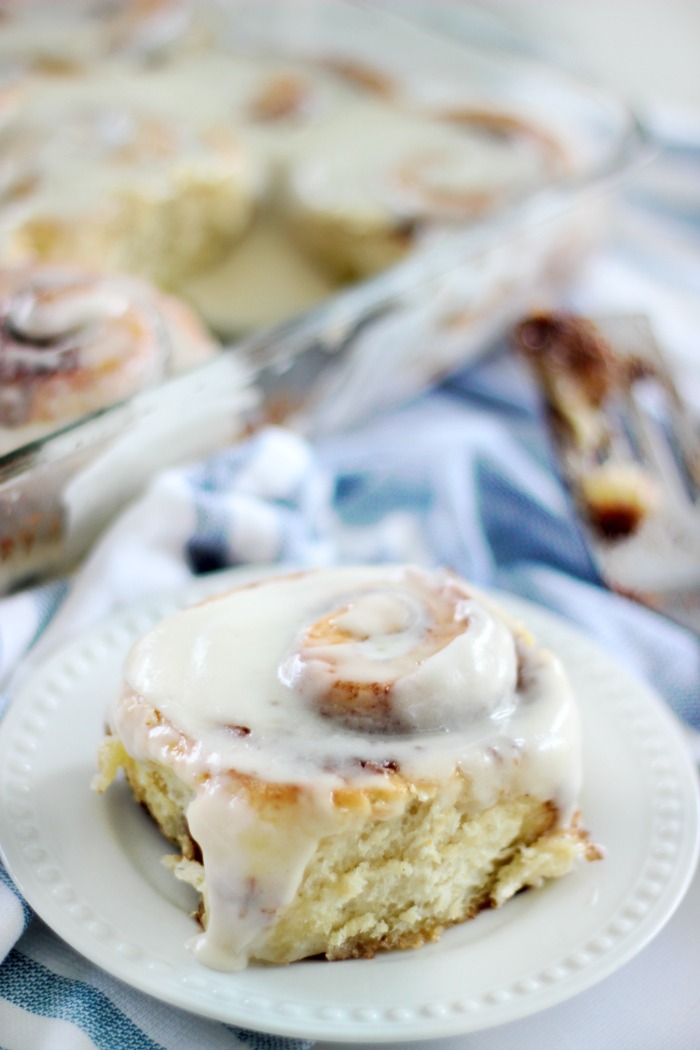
(124, 171)
(72, 342)
(361, 199)
(349, 760)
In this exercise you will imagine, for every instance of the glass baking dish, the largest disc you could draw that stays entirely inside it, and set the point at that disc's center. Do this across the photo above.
(368, 344)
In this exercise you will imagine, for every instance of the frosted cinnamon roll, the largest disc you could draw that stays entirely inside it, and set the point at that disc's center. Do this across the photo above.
(73, 342)
(360, 198)
(122, 174)
(348, 760)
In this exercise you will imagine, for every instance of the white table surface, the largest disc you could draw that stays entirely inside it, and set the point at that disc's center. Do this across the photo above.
(650, 51)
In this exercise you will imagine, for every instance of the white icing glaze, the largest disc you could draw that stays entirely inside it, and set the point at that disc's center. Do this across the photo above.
(252, 681)
(51, 308)
(253, 870)
(439, 659)
(85, 143)
(379, 164)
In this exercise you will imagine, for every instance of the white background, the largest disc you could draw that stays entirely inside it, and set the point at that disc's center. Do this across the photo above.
(648, 49)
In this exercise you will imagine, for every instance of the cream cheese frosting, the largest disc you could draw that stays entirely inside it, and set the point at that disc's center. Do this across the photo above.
(382, 164)
(332, 679)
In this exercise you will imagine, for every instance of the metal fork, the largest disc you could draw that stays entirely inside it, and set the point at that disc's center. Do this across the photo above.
(629, 452)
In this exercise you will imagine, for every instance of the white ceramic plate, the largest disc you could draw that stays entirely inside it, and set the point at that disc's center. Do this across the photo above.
(89, 864)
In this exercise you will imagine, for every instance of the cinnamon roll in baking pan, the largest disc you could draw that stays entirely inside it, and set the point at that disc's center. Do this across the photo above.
(123, 171)
(360, 199)
(72, 342)
(348, 760)
(209, 157)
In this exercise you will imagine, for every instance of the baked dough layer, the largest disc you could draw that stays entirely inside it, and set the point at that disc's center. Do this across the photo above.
(383, 883)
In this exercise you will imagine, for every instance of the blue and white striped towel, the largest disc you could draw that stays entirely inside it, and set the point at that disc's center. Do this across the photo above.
(462, 477)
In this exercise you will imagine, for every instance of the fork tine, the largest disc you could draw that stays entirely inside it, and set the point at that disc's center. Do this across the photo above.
(663, 447)
(628, 450)
(663, 422)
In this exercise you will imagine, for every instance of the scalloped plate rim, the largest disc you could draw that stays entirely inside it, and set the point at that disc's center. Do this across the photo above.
(669, 851)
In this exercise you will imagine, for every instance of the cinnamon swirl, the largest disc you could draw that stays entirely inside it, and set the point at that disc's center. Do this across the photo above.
(73, 342)
(349, 760)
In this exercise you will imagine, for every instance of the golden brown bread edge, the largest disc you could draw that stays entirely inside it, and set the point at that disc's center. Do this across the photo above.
(419, 858)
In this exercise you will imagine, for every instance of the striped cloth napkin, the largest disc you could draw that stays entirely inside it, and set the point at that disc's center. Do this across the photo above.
(462, 476)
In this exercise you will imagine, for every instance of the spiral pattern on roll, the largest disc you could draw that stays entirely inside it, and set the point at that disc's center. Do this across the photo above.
(418, 653)
(72, 342)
